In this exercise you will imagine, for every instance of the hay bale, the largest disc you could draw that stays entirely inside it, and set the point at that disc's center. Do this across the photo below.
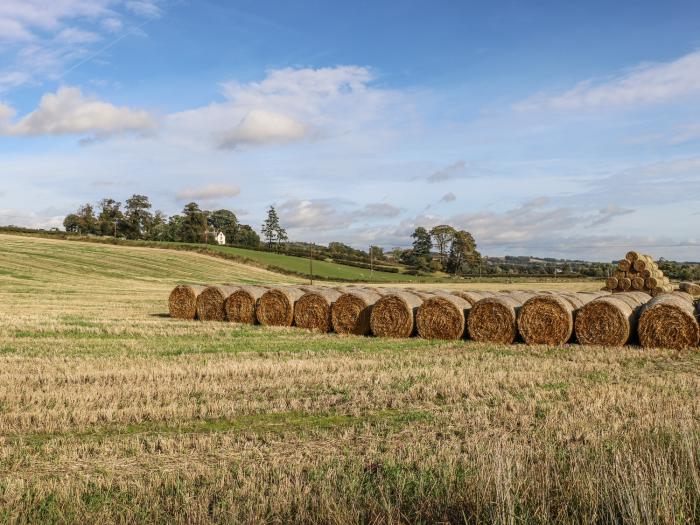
(609, 320)
(625, 284)
(690, 288)
(443, 316)
(212, 301)
(549, 319)
(276, 306)
(668, 321)
(394, 315)
(631, 256)
(350, 314)
(472, 297)
(637, 283)
(241, 304)
(624, 265)
(643, 262)
(313, 310)
(182, 302)
(495, 319)
(611, 283)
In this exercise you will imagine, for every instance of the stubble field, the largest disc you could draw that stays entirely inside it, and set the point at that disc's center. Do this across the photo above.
(112, 412)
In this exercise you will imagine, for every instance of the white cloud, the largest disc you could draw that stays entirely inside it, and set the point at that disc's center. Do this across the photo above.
(73, 35)
(264, 127)
(30, 219)
(209, 192)
(646, 84)
(147, 8)
(329, 214)
(69, 112)
(112, 24)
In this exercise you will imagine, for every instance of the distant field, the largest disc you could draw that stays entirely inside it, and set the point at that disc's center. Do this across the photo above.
(112, 412)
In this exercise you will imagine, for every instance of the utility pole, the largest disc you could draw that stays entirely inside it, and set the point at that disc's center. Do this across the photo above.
(311, 264)
(371, 263)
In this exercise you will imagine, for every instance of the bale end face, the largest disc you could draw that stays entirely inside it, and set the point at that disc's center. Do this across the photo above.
(182, 303)
(392, 316)
(211, 303)
(241, 305)
(442, 318)
(493, 320)
(313, 312)
(604, 323)
(350, 314)
(669, 325)
(546, 320)
(276, 308)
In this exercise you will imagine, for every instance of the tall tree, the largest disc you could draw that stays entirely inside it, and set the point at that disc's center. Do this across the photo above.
(87, 223)
(224, 221)
(422, 244)
(72, 223)
(155, 228)
(194, 224)
(246, 236)
(462, 252)
(272, 229)
(136, 216)
(442, 237)
(110, 216)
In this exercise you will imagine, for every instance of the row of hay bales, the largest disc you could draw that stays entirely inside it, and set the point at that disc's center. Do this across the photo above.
(668, 320)
(638, 272)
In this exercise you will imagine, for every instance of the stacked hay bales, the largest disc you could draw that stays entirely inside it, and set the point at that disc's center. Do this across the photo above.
(211, 303)
(690, 288)
(182, 303)
(638, 272)
(548, 319)
(495, 319)
(313, 310)
(669, 321)
(609, 320)
(276, 306)
(394, 314)
(242, 304)
(443, 316)
(350, 314)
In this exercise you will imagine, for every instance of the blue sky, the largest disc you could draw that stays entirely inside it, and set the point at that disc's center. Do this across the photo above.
(547, 128)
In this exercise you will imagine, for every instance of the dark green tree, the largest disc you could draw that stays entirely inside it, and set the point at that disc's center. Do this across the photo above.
(109, 217)
(224, 221)
(194, 224)
(463, 254)
(422, 244)
(246, 236)
(72, 223)
(137, 217)
(272, 229)
(442, 237)
(87, 223)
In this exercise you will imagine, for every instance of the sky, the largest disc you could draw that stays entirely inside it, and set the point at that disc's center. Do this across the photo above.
(547, 128)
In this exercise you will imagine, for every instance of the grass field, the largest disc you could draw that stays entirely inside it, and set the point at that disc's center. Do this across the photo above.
(112, 412)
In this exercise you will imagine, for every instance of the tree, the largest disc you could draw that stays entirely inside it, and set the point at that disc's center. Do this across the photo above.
(194, 223)
(72, 223)
(136, 217)
(422, 244)
(272, 229)
(87, 223)
(110, 216)
(224, 221)
(442, 236)
(156, 226)
(246, 236)
(462, 252)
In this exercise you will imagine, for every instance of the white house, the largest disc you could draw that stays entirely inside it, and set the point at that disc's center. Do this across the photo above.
(221, 238)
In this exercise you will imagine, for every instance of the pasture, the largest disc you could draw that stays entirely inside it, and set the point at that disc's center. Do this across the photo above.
(110, 411)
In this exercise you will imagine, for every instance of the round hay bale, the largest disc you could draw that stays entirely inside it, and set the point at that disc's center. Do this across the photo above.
(211, 302)
(313, 310)
(394, 315)
(637, 283)
(643, 262)
(182, 302)
(625, 284)
(631, 256)
(472, 297)
(668, 321)
(691, 288)
(609, 320)
(624, 265)
(495, 319)
(350, 313)
(241, 304)
(611, 283)
(276, 306)
(443, 316)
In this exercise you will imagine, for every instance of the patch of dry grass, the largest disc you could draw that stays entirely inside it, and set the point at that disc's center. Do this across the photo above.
(111, 412)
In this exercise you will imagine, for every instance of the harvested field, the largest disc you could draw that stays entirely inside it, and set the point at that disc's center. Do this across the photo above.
(443, 316)
(182, 303)
(350, 314)
(394, 314)
(610, 320)
(668, 321)
(276, 306)
(211, 303)
(313, 310)
(242, 304)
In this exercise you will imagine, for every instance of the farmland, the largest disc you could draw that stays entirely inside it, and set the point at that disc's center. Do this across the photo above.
(112, 412)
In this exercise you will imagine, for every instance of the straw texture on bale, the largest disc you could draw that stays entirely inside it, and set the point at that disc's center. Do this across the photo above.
(241, 304)
(632, 256)
(472, 297)
(624, 265)
(609, 320)
(668, 321)
(625, 283)
(691, 288)
(611, 283)
(350, 314)
(394, 315)
(443, 316)
(313, 310)
(548, 319)
(182, 302)
(637, 283)
(276, 306)
(495, 319)
(212, 301)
